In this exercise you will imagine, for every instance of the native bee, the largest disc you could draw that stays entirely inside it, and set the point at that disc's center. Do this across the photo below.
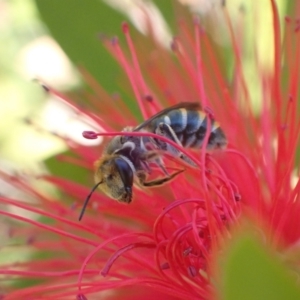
(126, 158)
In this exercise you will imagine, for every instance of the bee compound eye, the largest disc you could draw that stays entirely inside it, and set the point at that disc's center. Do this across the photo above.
(125, 172)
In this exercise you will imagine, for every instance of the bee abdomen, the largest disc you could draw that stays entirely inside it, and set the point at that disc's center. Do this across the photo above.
(190, 127)
(216, 138)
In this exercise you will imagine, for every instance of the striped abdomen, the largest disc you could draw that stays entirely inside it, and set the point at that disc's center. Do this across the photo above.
(190, 125)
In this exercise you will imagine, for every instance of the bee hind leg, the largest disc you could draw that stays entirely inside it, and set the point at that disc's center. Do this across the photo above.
(158, 181)
(165, 130)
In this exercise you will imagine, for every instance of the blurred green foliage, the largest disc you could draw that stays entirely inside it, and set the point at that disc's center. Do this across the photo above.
(252, 271)
(77, 26)
(19, 98)
(69, 171)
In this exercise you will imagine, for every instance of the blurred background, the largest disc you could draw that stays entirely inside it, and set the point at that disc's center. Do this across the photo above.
(48, 39)
(58, 42)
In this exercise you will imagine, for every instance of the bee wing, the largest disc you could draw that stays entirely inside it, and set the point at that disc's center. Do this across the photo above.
(187, 105)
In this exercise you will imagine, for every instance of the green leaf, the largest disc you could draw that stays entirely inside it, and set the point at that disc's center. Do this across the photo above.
(76, 26)
(252, 272)
(70, 171)
(167, 8)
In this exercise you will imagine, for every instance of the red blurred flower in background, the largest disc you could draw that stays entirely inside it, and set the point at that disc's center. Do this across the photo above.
(165, 243)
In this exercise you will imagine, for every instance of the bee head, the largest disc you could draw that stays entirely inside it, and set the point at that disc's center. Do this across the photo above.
(115, 177)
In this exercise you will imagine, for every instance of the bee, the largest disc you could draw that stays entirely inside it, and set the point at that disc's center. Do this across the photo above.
(126, 159)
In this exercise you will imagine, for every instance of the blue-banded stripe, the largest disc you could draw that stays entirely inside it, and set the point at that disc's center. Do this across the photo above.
(190, 127)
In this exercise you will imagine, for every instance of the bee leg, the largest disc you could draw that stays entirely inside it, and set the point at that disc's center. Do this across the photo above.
(146, 167)
(155, 156)
(165, 130)
(159, 181)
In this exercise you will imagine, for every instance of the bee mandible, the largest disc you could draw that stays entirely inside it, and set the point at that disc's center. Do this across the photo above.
(126, 159)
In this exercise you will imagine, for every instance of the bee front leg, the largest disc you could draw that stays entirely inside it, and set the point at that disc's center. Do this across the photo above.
(156, 182)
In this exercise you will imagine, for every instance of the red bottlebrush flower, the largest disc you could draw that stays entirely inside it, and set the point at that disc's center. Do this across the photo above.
(163, 244)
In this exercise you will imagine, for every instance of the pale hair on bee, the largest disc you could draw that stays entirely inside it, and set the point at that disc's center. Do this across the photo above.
(125, 160)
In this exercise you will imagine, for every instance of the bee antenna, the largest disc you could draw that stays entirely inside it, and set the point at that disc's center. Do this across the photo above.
(87, 200)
